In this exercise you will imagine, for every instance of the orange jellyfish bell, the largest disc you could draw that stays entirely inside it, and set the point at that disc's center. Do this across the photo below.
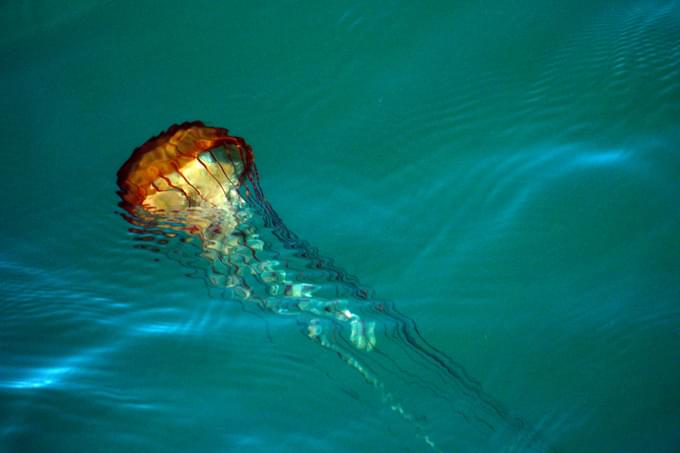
(189, 165)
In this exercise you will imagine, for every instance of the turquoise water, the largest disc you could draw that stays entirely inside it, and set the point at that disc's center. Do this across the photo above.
(505, 174)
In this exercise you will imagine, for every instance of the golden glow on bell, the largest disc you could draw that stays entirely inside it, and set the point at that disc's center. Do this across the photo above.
(189, 165)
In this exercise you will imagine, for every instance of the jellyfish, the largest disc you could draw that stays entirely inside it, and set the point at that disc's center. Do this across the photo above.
(200, 185)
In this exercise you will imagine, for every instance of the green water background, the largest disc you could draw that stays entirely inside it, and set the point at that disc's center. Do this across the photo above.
(506, 172)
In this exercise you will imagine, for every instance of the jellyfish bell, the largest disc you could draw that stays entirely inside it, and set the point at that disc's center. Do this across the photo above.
(190, 173)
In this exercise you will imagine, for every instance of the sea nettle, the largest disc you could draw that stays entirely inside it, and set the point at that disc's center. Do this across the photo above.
(199, 185)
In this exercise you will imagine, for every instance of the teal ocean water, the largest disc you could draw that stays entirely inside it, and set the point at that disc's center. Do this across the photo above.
(503, 177)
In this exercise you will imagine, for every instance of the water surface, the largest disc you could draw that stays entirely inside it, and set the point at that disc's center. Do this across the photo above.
(505, 173)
